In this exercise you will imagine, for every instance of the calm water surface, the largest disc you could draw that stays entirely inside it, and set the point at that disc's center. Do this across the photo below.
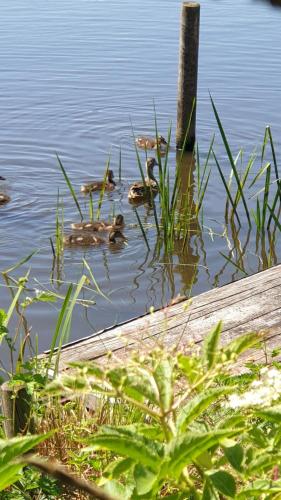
(73, 75)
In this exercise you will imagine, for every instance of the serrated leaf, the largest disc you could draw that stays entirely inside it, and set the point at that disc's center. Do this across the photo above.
(198, 405)
(210, 346)
(185, 449)
(118, 490)
(129, 444)
(223, 482)
(243, 343)
(144, 479)
(118, 467)
(14, 447)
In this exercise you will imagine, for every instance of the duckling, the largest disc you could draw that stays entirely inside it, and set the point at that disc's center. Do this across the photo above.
(117, 223)
(4, 198)
(138, 191)
(108, 185)
(151, 142)
(92, 240)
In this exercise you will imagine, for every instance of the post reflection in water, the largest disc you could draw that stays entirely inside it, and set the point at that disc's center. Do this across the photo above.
(186, 253)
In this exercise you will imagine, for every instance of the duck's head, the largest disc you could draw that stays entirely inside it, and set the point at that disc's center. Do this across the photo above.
(114, 235)
(118, 220)
(110, 177)
(150, 164)
(161, 140)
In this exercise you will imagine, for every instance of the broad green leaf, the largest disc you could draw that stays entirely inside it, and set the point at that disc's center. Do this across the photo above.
(12, 448)
(185, 449)
(118, 467)
(150, 431)
(223, 482)
(163, 375)
(198, 405)
(145, 479)
(9, 474)
(128, 444)
(235, 455)
(118, 490)
(210, 346)
(242, 343)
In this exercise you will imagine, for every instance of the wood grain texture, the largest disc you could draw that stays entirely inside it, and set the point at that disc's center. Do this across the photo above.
(250, 304)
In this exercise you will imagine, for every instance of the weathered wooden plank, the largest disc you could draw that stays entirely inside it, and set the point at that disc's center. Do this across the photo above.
(250, 304)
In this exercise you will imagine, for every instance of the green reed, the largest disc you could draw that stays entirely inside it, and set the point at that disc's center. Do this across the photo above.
(71, 189)
(102, 191)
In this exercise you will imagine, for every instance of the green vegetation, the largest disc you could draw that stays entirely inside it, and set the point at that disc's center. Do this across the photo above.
(171, 424)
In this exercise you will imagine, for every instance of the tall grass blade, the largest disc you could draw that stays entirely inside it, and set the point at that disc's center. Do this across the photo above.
(70, 187)
(94, 280)
(101, 196)
(231, 160)
(142, 230)
(20, 263)
(234, 264)
(226, 188)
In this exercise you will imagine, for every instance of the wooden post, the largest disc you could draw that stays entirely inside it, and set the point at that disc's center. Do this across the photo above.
(188, 70)
(16, 405)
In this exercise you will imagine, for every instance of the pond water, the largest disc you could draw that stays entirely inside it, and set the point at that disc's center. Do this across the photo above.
(73, 77)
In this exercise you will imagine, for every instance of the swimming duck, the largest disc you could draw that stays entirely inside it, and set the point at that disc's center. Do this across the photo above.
(118, 223)
(151, 142)
(2, 178)
(108, 185)
(92, 240)
(4, 198)
(138, 191)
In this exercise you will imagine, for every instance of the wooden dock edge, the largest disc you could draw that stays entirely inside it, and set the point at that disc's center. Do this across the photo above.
(250, 304)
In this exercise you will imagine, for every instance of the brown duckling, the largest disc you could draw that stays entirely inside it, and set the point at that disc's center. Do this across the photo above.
(118, 223)
(140, 191)
(108, 185)
(4, 198)
(88, 239)
(151, 142)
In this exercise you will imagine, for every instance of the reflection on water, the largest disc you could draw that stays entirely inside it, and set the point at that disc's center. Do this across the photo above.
(71, 81)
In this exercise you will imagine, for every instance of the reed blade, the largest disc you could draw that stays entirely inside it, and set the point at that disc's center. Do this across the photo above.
(226, 188)
(70, 187)
(234, 264)
(231, 160)
(142, 229)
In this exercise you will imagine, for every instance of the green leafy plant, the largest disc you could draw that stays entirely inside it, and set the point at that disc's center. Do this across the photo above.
(188, 441)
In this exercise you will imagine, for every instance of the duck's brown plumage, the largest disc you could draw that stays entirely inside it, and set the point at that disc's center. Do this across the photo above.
(87, 239)
(108, 185)
(151, 142)
(139, 191)
(118, 223)
(4, 198)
